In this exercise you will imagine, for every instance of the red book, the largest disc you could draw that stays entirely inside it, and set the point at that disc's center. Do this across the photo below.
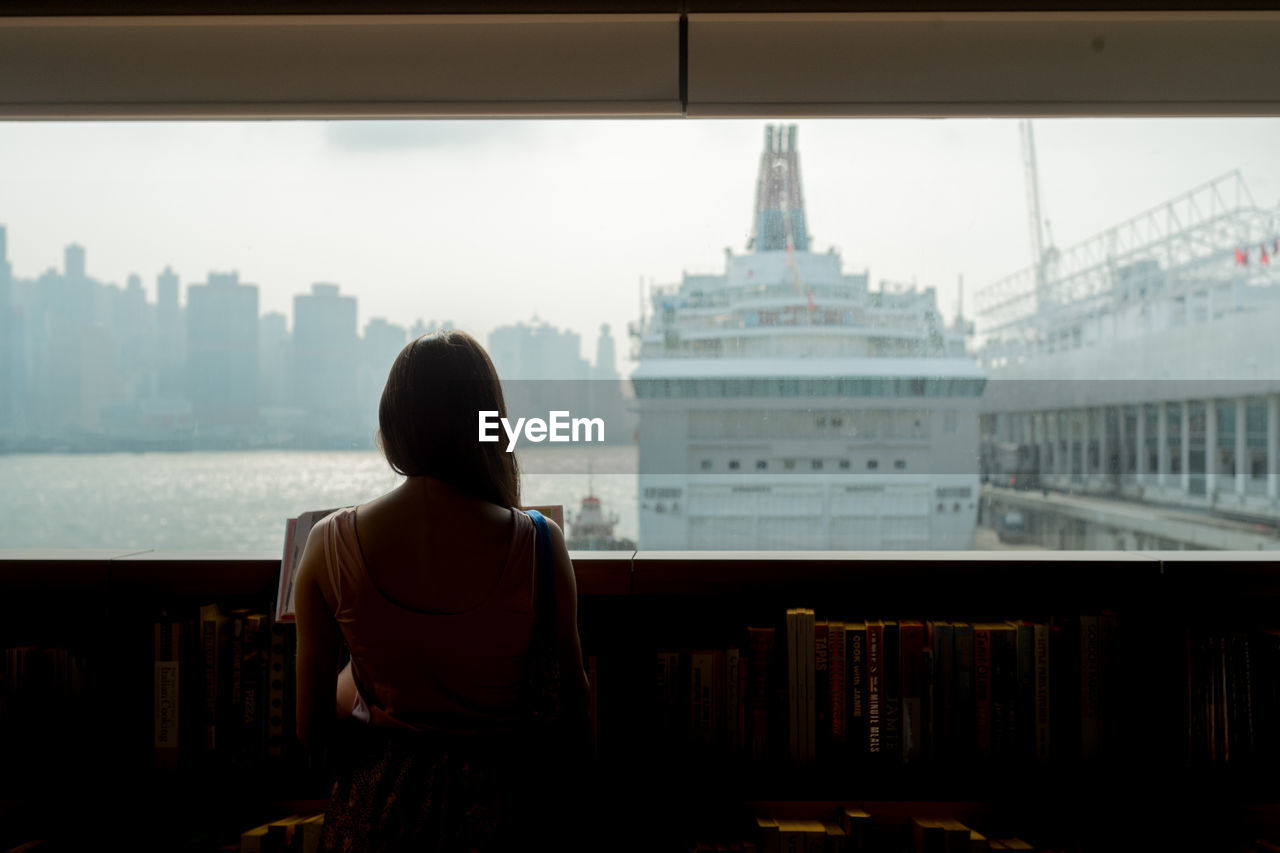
(836, 667)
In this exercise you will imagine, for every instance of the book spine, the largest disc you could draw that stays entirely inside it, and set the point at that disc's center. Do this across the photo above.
(254, 687)
(1064, 698)
(856, 682)
(807, 649)
(286, 569)
(1024, 706)
(733, 673)
(291, 744)
(1110, 679)
(944, 702)
(963, 729)
(211, 645)
(836, 666)
(982, 689)
(168, 657)
(1043, 720)
(822, 689)
(275, 692)
(718, 705)
(1004, 693)
(702, 698)
(912, 640)
(760, 643)
(1090, 686)
(794, 684)
(875, 687)
(234, 708)
(892, 704)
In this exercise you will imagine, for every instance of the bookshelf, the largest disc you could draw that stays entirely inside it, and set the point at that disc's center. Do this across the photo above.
(633, 605)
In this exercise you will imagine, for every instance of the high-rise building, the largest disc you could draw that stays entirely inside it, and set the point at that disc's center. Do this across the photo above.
(606, 366)
(170, 335)
(382, 343)
(537, 351)
(73, 262)
(222, 352)
(274, 362)
(325, 366)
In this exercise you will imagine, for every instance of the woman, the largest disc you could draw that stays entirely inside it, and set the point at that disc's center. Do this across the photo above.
(432, 588)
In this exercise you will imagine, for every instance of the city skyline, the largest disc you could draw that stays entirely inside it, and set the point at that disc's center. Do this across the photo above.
(90, 365)
(417, 218)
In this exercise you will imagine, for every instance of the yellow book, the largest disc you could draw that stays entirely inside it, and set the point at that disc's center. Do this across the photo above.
(254, 840)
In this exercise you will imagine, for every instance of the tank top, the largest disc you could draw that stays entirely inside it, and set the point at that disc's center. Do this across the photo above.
(427, 670)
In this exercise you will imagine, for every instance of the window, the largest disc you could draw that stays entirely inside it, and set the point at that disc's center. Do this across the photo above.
(255, 328)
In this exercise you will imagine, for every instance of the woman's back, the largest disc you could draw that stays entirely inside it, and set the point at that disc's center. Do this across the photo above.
(433, 593)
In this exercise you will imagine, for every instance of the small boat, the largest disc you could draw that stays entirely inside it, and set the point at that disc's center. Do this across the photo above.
(592, 529)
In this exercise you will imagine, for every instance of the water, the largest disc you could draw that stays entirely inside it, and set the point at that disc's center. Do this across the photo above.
(238, 501)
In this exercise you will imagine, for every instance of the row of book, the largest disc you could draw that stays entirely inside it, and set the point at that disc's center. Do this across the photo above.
(44, 712)
(816, 691)
(854, 830)
(224, 689)
(1232, 696)
(296, 834)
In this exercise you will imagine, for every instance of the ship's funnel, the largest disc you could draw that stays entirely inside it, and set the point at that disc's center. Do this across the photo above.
(780, 215)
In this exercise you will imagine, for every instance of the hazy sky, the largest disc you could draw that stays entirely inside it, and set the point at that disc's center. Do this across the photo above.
(493, 222)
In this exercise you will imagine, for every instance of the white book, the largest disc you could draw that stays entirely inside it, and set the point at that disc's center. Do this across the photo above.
(296, 532)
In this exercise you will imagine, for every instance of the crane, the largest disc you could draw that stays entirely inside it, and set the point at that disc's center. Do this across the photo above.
(1043, 253)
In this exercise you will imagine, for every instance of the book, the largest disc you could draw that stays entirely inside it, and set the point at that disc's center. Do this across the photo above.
(296, 532)
(911, 635)
(891, 700)
(706, 696)
(167, 692)
(963, 729)
(1090, 686)
(794, 686)
(275, 691)
(839, 692)
(982, 689)
(855, 644)
(875, 686)
(809, 701)
(1004, 691)
(944, 702)
(213, 644)
(1043, 718)
(732, 702)
(760, 652)
(821, 690)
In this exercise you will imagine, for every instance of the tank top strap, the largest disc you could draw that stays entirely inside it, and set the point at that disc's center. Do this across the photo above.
(338, 540)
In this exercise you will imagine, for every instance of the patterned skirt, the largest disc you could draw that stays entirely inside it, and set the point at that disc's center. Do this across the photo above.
(401, 790)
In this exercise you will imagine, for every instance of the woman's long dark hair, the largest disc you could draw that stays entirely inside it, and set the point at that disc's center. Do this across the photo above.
(428, 417)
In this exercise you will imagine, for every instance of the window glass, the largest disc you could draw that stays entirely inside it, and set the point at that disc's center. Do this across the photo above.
(1057, 334)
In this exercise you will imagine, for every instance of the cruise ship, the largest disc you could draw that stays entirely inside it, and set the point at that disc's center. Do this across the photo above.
(785, 404)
